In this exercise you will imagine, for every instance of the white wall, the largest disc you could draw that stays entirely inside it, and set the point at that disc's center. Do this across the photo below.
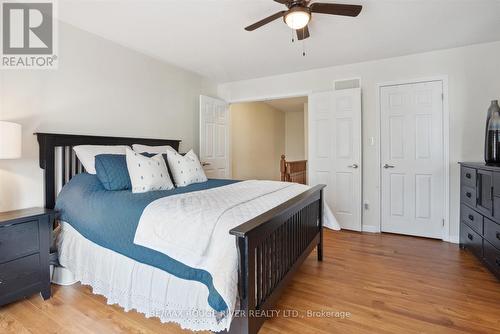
(257, 141)
(474, 80)
(99, 88)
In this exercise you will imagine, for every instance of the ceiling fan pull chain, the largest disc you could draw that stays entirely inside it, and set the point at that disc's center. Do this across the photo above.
(293, 36)
(303, 48)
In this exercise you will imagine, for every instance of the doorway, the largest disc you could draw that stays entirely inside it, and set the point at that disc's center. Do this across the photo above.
(264, 131)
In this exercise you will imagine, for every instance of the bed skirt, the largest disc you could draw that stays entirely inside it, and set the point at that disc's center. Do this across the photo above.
(134, 285)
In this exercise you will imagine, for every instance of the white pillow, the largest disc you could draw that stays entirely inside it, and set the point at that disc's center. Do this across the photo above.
(152, 149)
(185, 169)
(87, 153)
(147, 174)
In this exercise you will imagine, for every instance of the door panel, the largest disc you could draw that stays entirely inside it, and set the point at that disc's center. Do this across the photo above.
(335, 152)
(214, 138)
(412, 159)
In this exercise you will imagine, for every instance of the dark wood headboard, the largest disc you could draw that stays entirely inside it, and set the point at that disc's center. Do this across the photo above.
(69, 165)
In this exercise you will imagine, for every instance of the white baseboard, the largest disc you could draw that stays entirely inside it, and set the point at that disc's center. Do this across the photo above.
(454, 239)
(370, 229)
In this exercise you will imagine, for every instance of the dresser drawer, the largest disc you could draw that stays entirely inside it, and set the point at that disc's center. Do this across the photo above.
(492, 257)
(468, 177)
(18, 240)
(472, 218)
(492, 232)
(19, 274)
(471, 240)
(468, 195)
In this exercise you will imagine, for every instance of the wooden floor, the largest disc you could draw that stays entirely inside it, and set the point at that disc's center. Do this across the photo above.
(383, 283)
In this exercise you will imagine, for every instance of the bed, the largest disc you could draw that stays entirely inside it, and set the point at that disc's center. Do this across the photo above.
(269, 247)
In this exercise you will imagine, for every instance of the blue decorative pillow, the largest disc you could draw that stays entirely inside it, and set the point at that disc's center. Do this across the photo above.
(111, 170)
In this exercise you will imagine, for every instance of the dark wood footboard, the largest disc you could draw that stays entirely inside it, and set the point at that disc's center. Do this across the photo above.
(271, 248)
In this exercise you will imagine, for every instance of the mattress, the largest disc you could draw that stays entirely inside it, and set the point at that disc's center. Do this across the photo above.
(109, 219)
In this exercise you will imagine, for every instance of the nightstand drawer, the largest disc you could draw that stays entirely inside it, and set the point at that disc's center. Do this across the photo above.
(18, 240)
(492, 232)
(19, 274)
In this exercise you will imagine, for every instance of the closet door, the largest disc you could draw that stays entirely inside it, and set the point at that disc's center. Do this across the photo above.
(412, 158)
(335, 152)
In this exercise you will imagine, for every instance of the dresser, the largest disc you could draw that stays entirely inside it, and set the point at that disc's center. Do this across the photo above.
(24, 253)
(480, 212)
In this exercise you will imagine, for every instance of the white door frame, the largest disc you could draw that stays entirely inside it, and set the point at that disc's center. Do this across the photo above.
(269, 97)
(446, 149)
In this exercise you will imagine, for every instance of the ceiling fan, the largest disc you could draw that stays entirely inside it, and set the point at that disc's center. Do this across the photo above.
(299, 14)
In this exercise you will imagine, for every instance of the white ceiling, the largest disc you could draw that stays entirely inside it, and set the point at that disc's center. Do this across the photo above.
(292, 104)
(207, 36)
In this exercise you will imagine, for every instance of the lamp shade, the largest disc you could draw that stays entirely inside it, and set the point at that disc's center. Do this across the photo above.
(10, 140)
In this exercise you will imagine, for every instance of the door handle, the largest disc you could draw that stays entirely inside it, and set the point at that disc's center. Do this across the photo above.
(353, 166)
(388, 166)
(205, 164)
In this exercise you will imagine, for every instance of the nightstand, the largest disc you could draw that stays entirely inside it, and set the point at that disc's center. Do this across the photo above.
(24, 253)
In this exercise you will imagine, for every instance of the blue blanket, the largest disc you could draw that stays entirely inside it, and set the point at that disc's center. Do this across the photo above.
(110, 219)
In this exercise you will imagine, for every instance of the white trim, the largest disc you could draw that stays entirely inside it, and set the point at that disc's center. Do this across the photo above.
(270, 97)
(455, 239)
(370, 229)
(446, 149)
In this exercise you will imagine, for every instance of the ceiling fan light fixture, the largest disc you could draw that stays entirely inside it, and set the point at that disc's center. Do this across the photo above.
(297, 17)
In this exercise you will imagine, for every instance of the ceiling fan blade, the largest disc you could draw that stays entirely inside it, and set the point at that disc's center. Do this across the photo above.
(265, 21)
(302, 33)
(335, 9)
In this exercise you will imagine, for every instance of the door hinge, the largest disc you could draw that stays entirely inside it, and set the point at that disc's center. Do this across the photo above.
(442, 96)
(443, 222)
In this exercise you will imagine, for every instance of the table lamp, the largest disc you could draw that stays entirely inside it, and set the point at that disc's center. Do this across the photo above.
(10, 140)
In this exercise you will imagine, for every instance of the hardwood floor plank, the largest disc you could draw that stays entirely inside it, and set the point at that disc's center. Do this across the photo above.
(389, 284)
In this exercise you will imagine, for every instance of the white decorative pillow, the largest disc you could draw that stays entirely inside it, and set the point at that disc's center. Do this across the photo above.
(147, 174)
(152, 149)
(185, 169)
(87, 153)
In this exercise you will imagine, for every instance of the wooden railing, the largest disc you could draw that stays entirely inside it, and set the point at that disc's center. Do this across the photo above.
(293, 171)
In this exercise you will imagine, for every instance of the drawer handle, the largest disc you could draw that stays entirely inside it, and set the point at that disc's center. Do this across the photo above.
(468, 194)
(497, 262)
(467, 175)
(471, 217)
(470, 236)
(498, 235)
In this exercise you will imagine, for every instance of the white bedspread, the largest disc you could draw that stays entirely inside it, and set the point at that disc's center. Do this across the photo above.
(194, 227)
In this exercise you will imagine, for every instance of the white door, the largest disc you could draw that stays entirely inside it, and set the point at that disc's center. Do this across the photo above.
(335, 152)
(412, 159)
(214, 138)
